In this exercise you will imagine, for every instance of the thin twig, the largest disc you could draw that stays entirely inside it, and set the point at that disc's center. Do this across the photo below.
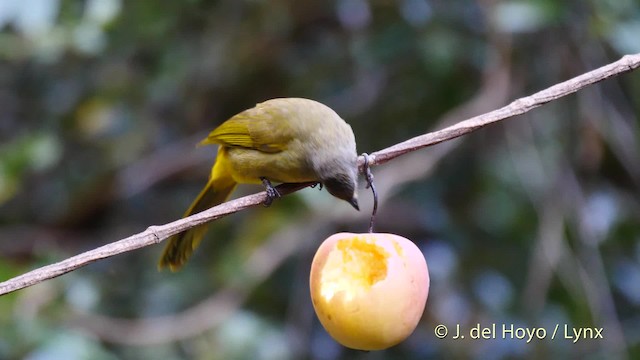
(152, 235)
(156, 234)
(518, 107)
(368, 175)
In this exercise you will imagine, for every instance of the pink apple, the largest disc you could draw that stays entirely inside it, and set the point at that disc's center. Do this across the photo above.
(369, 290)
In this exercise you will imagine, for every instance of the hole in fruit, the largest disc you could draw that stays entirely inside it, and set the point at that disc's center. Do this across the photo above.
(352, 266)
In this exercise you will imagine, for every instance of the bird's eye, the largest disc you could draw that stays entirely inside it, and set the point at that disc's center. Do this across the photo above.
(340, 187)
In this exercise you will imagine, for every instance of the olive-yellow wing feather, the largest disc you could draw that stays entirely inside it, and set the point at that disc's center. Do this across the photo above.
(262, 128)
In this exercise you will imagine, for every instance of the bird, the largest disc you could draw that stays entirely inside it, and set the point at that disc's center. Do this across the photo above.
(283, 140)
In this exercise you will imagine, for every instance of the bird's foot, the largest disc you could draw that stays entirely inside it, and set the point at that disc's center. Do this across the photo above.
(272, 193)
(319, 184)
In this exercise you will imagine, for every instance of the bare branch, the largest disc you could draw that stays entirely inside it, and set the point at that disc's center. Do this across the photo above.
(156, 234)
(153, 235)
(517, 107)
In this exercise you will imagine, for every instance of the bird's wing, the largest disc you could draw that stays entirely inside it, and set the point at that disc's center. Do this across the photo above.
(264, 128)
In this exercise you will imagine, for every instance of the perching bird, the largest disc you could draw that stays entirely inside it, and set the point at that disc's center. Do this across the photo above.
(288, 140)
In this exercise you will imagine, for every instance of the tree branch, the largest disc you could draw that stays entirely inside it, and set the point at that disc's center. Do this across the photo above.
(520, 106)
(156, 234)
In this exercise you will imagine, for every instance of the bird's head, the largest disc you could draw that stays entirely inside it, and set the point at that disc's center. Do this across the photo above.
(343, 185)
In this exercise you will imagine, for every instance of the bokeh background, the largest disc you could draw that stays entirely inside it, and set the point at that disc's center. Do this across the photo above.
(532, 222)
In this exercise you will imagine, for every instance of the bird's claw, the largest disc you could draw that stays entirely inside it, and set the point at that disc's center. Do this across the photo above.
(272, 193)
(319, 184)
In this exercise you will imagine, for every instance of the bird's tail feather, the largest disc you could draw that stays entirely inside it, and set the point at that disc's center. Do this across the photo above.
(180, 246)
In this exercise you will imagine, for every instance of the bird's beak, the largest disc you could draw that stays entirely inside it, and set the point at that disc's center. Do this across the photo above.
(354, 203)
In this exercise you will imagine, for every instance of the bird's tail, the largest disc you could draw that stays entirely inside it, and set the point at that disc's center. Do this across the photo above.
(217, 190)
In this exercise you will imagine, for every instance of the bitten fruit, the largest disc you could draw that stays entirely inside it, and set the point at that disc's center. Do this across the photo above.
(369, 290)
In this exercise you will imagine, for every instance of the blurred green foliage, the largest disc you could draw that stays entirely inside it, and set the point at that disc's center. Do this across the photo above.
(533, 222)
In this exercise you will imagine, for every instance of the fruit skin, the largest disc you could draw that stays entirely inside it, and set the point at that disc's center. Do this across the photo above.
(369, 290)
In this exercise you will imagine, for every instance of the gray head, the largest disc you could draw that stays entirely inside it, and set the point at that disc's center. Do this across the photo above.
(331, 148)
(343, 184)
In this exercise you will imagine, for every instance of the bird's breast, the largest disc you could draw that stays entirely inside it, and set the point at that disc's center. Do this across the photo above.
(288, 166)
